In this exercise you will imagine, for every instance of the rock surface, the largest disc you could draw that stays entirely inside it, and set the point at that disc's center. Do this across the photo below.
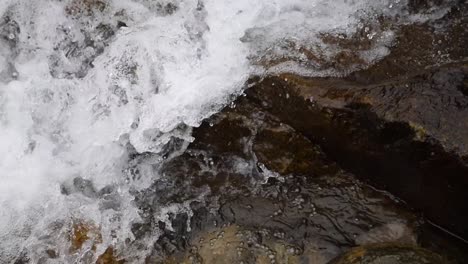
(282, 164)
(309, 213)
(389, 254)
(402, 135)
(400, 124)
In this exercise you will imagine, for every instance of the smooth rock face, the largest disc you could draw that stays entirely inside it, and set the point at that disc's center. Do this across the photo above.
(432, 102)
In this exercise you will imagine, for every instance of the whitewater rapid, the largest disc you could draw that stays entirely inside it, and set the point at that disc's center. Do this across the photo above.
(84, 84)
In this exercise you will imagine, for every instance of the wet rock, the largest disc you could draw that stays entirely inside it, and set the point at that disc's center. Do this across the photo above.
(275, 166)
(421, 45)
(400, 124)
(416, 6)
(108, 258)
(389, 253)
(431, 103)
(332, 213)
(387, 233)
(85, 7)
(82, 52)
(82, 233)
(9, 31)
(167, 9)
(403, 135)
(84, 239)
(235, 244)
(279, 171)
(285, 152)
(274, 186)
(51, 253)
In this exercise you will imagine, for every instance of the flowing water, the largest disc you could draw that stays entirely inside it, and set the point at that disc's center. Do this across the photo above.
(87, 85)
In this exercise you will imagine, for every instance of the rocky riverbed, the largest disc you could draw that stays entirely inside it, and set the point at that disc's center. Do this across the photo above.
(367, 166)
(322, 145)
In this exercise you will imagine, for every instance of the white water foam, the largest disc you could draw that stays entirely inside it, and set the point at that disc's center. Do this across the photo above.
(81, 80)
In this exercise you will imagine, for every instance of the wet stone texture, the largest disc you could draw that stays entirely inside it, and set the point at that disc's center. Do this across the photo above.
(276, 197)
(289, 169)
(408, 137)
(308, 213)
(389, 253)
(400, 124)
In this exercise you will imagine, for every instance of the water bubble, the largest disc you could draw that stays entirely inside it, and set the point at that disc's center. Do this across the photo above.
(371, 35)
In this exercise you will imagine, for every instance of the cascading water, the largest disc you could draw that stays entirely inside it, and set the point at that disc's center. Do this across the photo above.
(87, 84)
